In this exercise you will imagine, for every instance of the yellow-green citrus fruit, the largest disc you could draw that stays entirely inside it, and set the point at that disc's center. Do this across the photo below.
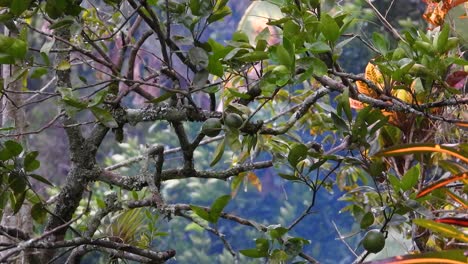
(373, 241)
(233, 120)
(211, 127)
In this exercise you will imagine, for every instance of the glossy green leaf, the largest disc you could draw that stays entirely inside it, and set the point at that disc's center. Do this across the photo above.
(367, 220)
(17, 7)
(297, 153)
(329, 28)
(13, 147)
(30, 161)
(253, 253)
(380, 42)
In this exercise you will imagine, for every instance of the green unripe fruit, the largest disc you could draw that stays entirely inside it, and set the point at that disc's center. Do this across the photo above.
(211, 127)
(233, 120)
(373, 241)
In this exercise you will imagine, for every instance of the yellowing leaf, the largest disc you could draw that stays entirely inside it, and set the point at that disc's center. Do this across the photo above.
(64, 65)
(373, 74)
(254, 180)
(443, 229)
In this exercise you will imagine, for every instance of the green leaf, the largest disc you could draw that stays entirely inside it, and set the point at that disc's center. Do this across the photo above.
(367, 220)
(380, 43)
(219, 14)
(38, 73)
(278, 256)
(55, 8)
(442, 39)
(240, 36)
(12, 47)
(340, 124)
(161, 98)
(238, 94)
(104, 117)
(198, 56)
(283, 56)
(218, 154)
(195, 7)
(201, 212)
(38, 213)
(443, 229)
(47, 46)
(41, 179)
(289, 177)
(410, 179)
(30, 161)
(297, 153)
(19, 201)
(278, 232)
(65, 22)
(320, 68)
(329, 28)
(17, 7)
(262, 244)
(215, 66)
(217, 207)
(318, 47)
(253, 253)
(13, 147)
(253, 56)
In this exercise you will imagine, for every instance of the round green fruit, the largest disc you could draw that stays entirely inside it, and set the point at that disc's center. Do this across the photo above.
(233, 120)
(211, 127)
(373, 241)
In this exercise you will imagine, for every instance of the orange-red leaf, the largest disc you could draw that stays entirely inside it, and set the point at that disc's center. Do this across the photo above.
(437, 10)
(442, 183)
(453, 221)
(415, 148)
(457, 199)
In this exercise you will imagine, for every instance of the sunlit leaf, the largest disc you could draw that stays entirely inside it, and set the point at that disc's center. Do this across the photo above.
(417, 148)
(458, 221)
(439, 184)
(443, 229)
